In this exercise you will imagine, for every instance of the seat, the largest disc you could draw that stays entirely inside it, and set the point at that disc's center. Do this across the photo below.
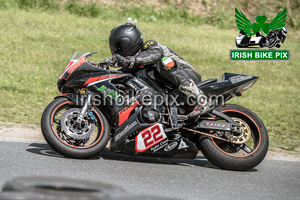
(212, 80)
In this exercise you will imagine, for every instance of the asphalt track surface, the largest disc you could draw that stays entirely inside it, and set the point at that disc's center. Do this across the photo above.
(176, 178)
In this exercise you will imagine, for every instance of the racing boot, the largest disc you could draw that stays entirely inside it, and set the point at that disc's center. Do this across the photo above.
(189, 88)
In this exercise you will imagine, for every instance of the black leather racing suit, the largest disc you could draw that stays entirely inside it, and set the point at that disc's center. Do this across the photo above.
(152, 52)
(180, 74)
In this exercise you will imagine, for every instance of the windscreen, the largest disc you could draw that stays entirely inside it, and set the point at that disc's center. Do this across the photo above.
(78, 54)
(77, 60)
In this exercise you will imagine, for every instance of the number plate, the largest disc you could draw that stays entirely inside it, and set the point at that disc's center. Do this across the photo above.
(149, 137)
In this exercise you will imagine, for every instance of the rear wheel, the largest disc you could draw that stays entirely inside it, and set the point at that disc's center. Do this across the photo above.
(238, 156)
(67, 137)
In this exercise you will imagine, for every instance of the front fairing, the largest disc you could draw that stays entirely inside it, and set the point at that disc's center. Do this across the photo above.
(86, 68)
(81, 75)
(77, 65)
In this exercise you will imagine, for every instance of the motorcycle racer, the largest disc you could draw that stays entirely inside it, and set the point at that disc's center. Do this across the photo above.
(79, 123)
(130, 52)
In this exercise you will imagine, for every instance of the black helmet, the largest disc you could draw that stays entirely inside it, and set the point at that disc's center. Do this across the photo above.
(125, 40)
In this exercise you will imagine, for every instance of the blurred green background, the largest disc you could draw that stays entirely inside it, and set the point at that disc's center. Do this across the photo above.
(38, 38)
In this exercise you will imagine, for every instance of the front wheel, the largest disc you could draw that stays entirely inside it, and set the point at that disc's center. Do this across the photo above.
(69, 138)
(238, 156)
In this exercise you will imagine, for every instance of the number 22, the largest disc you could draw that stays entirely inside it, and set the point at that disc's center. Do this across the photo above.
(149, 138)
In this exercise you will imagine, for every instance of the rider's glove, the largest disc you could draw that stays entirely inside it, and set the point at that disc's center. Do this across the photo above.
(124, 62)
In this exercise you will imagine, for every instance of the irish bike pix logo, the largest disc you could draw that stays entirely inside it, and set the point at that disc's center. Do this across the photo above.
(259, 36)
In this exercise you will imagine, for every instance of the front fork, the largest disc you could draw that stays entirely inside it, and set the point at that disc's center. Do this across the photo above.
(86, 106)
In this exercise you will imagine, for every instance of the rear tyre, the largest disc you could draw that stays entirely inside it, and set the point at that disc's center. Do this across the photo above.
(238, 157)
(83, 141)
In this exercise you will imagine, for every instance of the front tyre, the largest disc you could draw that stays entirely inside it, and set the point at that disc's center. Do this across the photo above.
(73, 140)
(233, 156)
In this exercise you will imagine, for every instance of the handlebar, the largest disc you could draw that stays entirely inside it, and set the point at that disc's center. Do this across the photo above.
(106, 63)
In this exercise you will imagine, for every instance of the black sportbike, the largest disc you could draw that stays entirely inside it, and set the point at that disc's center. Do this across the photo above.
(98, 106)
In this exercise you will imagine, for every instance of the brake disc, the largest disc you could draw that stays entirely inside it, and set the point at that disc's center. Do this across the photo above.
(245, 130)
(73, 129)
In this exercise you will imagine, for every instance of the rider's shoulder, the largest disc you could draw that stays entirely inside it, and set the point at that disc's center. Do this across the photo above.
(149, 43)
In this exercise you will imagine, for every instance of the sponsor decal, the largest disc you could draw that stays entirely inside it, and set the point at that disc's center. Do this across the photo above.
(124, 114)
(260, 34)
(239, 78)
(110, 92)
(149, 137)
(148, 44)
(126, 129)
(159, 146)
(171, 146)
(214, 124)
(182, 145)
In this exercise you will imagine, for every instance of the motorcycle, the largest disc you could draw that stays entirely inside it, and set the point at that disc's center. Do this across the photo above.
(242, 40)
(276, 36)
(99, 106)
(273, 38)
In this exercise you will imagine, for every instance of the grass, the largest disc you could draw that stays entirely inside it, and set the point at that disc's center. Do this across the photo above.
(194, 12)
(37, 45)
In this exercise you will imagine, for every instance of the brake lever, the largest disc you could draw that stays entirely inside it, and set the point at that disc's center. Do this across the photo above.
(106, 63)
(103, 65)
